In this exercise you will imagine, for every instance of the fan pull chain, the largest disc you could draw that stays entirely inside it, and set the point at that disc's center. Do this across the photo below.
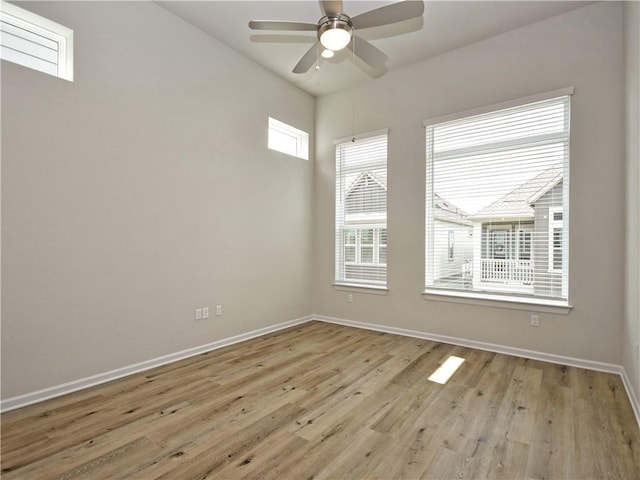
(353, 90)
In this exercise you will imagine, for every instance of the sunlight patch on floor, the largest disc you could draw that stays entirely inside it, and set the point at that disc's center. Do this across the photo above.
(446, 370)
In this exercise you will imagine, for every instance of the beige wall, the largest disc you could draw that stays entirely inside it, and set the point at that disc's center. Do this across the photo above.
(142, 191)
(631, 326)
(581, 49)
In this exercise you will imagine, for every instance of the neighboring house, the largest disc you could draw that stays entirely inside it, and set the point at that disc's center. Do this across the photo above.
(365, 228)
(518, 239)
(452, 262)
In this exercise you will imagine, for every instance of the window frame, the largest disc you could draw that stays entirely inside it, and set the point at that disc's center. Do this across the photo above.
(359, 222)
(300, 137)
(377, 229)
(524, 239)
(504, 299)
(36, 25)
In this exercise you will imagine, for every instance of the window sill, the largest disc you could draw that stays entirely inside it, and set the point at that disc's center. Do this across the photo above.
(370, 289)
(499, 301)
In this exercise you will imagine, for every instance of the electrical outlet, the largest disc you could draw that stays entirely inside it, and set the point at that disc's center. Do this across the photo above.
(350, 298)
(205, 312)
(218, 310)
(198, 314)
(535, 320)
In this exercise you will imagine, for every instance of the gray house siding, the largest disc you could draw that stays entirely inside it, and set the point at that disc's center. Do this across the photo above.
(551, 285)
(452, 259)
(453, 254)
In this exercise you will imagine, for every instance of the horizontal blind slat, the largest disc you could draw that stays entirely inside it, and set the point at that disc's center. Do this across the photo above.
(27, 47)
(28, 61)
(7, 27)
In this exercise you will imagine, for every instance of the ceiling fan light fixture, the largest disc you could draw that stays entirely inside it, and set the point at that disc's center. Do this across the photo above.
(335, 33)
(326, 53)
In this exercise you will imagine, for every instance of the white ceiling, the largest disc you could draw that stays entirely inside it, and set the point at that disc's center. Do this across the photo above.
(445, 26)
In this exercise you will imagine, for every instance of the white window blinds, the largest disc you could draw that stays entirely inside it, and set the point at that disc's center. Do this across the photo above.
(35, 42)
(497, 201)
(361, 210)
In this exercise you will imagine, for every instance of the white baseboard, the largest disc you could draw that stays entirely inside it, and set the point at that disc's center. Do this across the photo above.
(517, 352)
(491, 347)
(75, 385)
(70, 387)
(633, 398)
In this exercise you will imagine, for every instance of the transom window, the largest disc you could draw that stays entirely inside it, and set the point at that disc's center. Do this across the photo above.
(500, 181)
(35, 42)
(287, 139)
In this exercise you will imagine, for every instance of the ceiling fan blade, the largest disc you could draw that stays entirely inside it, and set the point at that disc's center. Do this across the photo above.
(396, 12)
(281, 25)
(369, 54)
(332, 7)
(307, 60)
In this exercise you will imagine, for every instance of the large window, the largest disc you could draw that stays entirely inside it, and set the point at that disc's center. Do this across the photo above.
(500, 180)
(361, 210)
(35, 42)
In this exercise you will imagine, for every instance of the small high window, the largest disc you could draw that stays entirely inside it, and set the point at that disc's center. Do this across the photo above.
(35, 42)
(287, 139)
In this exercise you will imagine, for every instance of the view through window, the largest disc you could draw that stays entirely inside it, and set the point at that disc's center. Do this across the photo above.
(361, 210)
(497, 201)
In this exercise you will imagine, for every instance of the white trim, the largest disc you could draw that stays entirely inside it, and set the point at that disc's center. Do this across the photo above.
(369, 155)
(561, 92)
(300, 137)
(489, 347)
(498, 301)
(358, 228)
(73, 386)
(352, 287)
(503, 349)
(633, 399)
(31, 17)
(80, 384)
(538, 195)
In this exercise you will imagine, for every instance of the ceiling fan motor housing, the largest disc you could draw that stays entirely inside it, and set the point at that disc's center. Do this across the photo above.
(334, 32)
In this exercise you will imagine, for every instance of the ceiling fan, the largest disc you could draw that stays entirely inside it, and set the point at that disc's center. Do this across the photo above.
(336, 30)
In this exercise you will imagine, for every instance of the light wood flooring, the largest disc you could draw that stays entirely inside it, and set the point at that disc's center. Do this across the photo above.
(327, 401)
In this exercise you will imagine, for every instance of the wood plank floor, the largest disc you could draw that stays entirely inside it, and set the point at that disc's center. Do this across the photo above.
(327, 401)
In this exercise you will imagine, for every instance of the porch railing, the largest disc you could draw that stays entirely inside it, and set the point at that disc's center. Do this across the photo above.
(507, 271)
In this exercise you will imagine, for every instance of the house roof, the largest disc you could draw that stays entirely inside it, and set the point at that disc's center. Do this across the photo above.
(365, 199)
(448, 212)
(360, 181)
(518, 202)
